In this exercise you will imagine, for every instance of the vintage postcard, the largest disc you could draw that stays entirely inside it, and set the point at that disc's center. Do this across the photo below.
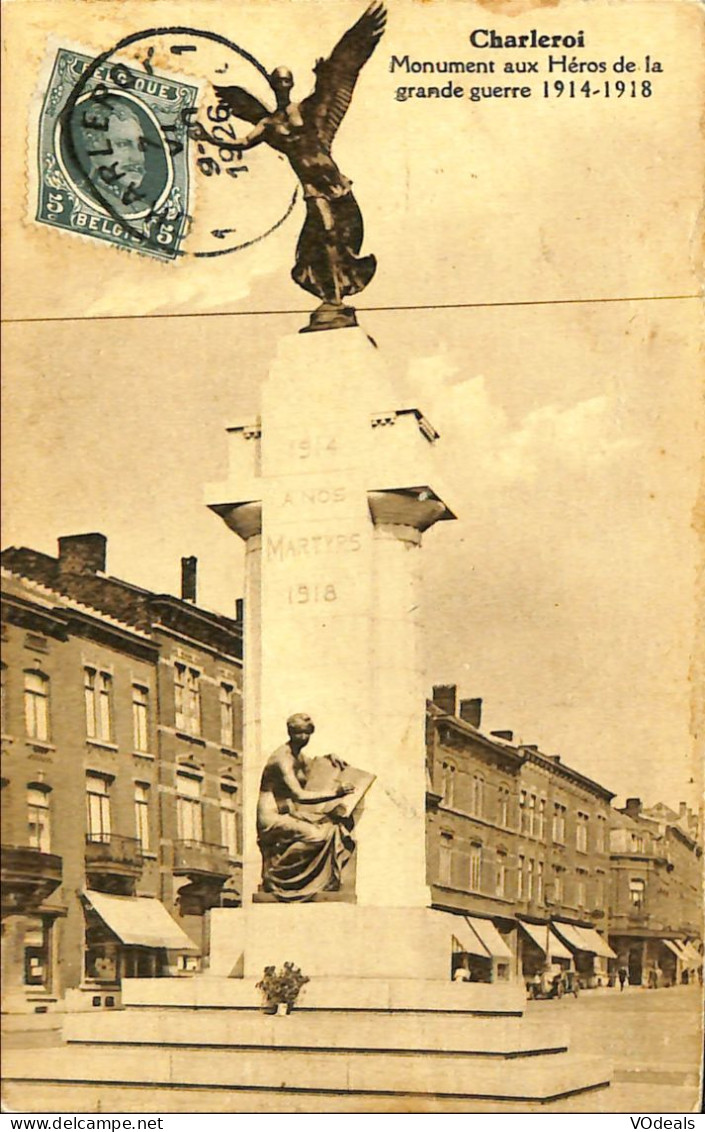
(352, 557)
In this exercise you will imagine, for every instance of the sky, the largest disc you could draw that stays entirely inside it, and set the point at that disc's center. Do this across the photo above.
(528, 259)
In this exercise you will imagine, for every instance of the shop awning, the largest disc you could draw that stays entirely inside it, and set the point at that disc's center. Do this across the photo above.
(557, 949)
(691, 954)
(571, 935)
(672, 945)
(489, 937)
(547, 940)
(141, 921)
(595, 942)
(465, 939)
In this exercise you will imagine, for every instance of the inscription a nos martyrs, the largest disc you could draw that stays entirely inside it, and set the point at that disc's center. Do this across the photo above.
(314, 495)
(308, 546)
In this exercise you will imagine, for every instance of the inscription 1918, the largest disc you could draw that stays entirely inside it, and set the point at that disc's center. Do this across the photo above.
(314, 595)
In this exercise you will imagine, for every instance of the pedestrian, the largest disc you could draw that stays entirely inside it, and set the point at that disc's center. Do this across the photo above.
(622, 975)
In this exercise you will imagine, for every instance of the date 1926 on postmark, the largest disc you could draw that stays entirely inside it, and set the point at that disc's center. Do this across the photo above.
(112, 154)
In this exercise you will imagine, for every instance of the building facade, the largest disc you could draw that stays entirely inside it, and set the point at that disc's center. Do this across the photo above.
(519, 842)
(656, 899)
(121, 774)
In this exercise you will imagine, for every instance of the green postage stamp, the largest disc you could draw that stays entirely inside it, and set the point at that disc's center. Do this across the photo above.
(112, 154)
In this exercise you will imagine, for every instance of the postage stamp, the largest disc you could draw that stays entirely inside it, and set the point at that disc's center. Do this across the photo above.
(112, 154)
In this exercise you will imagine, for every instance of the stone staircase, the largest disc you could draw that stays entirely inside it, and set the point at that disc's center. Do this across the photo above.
(205, 1042)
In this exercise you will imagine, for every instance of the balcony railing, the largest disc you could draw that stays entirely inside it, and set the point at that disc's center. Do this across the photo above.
(112, 850)
(199, 858)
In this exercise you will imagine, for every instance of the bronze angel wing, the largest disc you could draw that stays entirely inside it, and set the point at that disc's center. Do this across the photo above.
(336, 76)
(241, 104)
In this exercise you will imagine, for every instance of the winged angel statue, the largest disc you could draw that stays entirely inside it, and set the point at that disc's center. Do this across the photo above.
(328, 263)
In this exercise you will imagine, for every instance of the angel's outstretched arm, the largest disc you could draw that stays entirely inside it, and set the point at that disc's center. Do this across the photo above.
(255, 137)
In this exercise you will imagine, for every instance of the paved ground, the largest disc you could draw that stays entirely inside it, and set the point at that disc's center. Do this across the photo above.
(653, 1037)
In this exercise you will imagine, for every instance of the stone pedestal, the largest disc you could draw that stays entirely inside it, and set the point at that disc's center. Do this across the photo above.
(332, 492)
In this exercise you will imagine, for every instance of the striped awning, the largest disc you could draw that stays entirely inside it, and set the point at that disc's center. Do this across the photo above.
(547, 940)
(489, 937)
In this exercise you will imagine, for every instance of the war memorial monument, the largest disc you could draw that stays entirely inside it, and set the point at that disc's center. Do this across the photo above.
(333, 489)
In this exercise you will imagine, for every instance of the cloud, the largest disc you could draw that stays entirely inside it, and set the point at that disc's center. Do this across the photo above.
(586, 439)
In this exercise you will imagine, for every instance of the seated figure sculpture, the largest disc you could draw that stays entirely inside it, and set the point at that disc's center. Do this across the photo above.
(304, 850)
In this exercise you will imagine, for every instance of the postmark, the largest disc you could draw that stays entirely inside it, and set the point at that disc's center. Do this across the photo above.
(112, 152)
(136, 149)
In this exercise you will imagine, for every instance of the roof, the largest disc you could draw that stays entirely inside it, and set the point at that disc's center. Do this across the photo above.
(557, 766)
(125, 604)
(14, 584)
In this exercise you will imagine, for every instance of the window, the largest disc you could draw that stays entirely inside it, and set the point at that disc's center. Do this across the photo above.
(142, 815)
(140, 717)
(637, 843)
(445, 858)
(637, 894)
(36, 705)
(539, 882)
(599, 890)
(227, 715)
(541, 830)
(530, 878)
(37, 952)
(98, 807)
(523, 813)
(475, 867)
(38, 818)
(581, 833)
(98, 689)
(187, 699)
(478, 794)
(189, 813)
(531, 823)
(228, 817)
(559, 823)
(600, 838)
(520, 877)
(581, 889)
(448, 783)
(501, 879)
(503, 806)
(557, 885)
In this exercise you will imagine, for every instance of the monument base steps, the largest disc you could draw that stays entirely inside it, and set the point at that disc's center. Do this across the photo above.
(218, 1045)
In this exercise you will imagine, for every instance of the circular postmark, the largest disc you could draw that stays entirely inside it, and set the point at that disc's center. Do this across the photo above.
(144, 141)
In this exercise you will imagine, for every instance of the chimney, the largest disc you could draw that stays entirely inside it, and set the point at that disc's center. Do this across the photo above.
(633, 807)
(508, 736)
(471, 711)
(444, 697)
(82, 554)
(188, 578)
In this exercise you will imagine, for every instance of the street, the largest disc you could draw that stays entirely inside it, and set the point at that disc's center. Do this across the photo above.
(653, 1037)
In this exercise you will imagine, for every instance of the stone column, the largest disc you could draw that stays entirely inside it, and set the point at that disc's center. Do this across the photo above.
(333, 591)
